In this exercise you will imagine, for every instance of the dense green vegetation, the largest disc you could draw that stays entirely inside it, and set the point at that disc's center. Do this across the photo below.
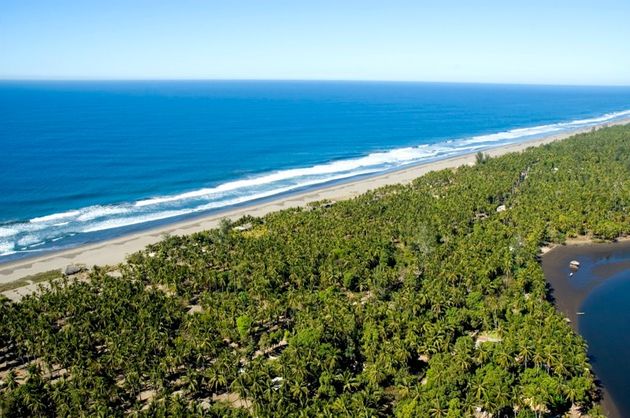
(425, 300)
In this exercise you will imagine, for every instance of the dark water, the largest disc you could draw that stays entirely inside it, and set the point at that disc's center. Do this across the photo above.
(596, 298)
(81, 161)
(606, 327)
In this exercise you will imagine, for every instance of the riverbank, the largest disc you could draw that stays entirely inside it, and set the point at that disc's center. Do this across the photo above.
(570, 291)
(116, 250)
(570, 288)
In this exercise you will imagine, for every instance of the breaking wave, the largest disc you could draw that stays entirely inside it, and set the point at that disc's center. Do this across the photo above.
(47, 231)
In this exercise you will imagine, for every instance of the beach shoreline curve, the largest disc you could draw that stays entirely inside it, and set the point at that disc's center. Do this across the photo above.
(114, 251)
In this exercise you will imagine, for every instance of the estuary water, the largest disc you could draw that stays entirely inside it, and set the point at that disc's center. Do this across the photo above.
(606, 327)
(596, 298)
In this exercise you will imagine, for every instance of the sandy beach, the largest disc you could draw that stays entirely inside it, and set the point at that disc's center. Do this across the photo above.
(116, 250)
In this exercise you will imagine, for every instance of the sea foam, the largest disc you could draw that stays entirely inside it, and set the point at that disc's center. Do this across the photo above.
(53, 228)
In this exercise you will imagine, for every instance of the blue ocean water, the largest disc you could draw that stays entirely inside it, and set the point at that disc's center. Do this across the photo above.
(84, 161)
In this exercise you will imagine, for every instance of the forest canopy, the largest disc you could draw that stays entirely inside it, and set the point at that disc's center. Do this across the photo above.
(420, 300)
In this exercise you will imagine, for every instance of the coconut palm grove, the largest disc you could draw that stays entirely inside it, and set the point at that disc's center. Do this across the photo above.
(419, 300)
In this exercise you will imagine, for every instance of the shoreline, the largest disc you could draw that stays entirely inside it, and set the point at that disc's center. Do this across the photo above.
(568, 293)
(114, 251)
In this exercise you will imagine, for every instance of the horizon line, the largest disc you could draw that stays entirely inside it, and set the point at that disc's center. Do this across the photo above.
(331, 80)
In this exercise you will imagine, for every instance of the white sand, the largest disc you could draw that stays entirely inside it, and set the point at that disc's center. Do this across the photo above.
(114, 251)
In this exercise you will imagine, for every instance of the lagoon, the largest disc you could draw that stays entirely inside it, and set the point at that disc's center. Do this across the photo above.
(595, 298)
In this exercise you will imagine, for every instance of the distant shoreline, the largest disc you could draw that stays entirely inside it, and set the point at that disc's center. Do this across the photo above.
(114, 251)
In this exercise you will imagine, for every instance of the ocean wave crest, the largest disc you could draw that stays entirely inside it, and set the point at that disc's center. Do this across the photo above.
(52, 229)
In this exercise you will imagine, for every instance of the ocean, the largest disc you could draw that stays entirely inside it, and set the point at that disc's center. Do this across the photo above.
(84, 161)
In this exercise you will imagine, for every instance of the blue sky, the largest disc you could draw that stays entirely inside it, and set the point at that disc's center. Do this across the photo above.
(533, 41)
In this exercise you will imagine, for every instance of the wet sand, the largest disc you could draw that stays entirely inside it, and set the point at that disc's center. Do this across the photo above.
(598, 263)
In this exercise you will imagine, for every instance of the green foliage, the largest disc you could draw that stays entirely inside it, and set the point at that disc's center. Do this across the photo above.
(481, 158)
(243, 324)
(418, 301)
